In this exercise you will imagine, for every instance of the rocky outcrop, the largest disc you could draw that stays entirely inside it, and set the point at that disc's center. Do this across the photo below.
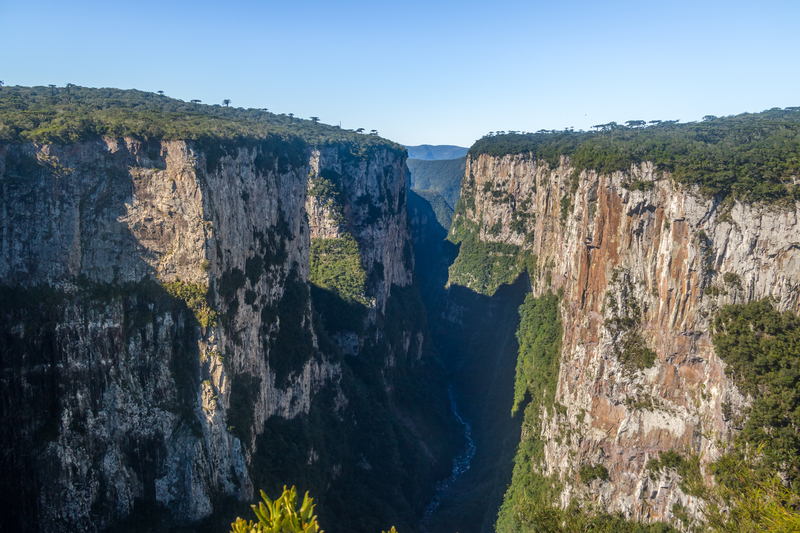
(638, 258)
(156, 315)
(374, 211)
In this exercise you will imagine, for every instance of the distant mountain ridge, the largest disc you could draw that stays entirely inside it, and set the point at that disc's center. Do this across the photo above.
(438, 152)
(442, 176)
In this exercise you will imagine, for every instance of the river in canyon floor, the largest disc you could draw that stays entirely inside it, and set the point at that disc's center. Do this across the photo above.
(461, 465)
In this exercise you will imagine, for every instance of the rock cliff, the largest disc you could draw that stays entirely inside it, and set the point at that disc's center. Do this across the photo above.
(159, 327)
(643, 263)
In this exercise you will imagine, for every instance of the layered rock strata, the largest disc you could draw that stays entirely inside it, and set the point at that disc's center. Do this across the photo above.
(636, 256)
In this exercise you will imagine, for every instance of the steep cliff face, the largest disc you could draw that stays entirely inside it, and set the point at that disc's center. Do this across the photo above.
(158, 323)
(643, 264)
(374, 212)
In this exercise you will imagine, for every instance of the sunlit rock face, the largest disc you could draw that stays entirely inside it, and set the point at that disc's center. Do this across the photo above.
(668, 257)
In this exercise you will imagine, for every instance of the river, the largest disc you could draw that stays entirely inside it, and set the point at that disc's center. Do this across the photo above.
(461, 463)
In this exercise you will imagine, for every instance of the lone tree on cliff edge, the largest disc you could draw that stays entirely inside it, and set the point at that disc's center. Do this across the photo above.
(226, 102)
(315, 119)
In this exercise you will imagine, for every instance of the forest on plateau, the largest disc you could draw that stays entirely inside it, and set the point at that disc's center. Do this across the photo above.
(64, 115)
(750, 157)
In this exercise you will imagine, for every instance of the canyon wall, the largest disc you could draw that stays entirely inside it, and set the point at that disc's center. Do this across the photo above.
(159, 324)
(641, 264)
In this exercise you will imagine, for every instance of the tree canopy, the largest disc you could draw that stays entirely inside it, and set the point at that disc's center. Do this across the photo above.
(63, 115)
(752, 156)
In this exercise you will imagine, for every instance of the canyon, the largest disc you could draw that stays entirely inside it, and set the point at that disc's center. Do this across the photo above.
(161, 348)
(191, 312)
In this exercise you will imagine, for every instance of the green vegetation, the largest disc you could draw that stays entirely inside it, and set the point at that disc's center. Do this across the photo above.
(688, 470)
(336, 266)
(386, 440)
(635, 355)
(483, 266)
(442, 176)
(757, 480)
(323, 188)
(732, 279)
(538, 362)
(72, 114)
(749, 501)
(624, 324)
(714, 291)
(196, 297)
(530, 504)
(761, 348)
(363, 456)
(444, 213)
(566, 204)
(589, 473)
(519, 224)
(327, 188)
(539, 338)
(750, 157)
(462, 227)
(537, 515)
(281, 516)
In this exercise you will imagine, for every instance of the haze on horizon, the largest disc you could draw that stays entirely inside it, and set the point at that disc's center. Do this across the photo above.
(422, 73)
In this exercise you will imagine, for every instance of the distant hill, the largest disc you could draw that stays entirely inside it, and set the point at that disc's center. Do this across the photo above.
(443, 212)
(443, 177)
(439, 152)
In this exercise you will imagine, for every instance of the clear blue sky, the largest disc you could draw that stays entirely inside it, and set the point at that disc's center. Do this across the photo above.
(422, 72)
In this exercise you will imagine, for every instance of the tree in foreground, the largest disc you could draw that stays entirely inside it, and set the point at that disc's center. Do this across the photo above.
(283, 516)
(750, 498)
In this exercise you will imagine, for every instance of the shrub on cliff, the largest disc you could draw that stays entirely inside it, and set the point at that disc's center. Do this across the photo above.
(761, 347)
(196, 297)
(336, 266)
(483, 266)
(747, 500)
